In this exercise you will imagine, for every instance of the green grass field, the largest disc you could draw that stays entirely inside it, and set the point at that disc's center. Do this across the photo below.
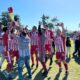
(74, 70)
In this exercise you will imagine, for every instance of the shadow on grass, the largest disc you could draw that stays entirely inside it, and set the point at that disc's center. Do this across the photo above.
(49, 78)
(39, 75)
(2, 76)
(14, 72)
(77, 59)
(68, 60)
(57, 76)
(65, 77)
(34, 70)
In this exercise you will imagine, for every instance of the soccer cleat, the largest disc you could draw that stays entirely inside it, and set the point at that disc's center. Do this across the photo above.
(50, 61)
(46, 59)
(0, 68)
(45, 73)
(66, 72)
(36, 65)
(32, 65)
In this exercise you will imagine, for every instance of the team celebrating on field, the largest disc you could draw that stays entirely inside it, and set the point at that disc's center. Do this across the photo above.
(23, 44)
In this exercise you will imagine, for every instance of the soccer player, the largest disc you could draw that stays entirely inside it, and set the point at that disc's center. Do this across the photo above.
(13, 45)
(48, 44)
(24, 54)
(7, 55)
(52, 40)
(34, 45)
(60, 48)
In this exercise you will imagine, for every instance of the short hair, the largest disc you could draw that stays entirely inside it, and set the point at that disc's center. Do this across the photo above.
(23, 33)
(12, 30)
(58, 30)
(5, 29)
(34, 27)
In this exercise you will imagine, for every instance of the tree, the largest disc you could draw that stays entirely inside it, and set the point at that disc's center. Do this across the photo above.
(44, 19)
(4, 18)
(50, 25)
(79, 25)
(17, 18)
(55, 20)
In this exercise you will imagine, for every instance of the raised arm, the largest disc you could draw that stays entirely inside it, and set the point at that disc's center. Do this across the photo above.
(63, 30)
(39, 30)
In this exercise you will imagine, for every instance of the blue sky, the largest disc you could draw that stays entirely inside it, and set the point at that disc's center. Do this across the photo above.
(30, 11)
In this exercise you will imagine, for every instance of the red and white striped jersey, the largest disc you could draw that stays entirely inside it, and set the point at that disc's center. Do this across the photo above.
(49, 36)
(60, 43)
(13, 43)
(34, 38)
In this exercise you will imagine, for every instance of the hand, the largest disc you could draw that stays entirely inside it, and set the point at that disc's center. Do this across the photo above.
(62, 24)
(57, 24)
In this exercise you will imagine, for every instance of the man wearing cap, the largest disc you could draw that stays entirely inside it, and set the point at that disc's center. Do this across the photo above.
(48, 43)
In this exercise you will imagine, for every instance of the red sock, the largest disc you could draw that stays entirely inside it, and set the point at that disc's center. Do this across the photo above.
(59, 64)
(36, 58)
(37, 61)
(66, 66)
(32, 59)
(9, 66)
(50, 55)
(44, 66)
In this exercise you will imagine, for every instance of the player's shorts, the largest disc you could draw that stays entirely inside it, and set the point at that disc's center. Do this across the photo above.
(16, 54)
(60, 56)
(34, 49)
(48, 47)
